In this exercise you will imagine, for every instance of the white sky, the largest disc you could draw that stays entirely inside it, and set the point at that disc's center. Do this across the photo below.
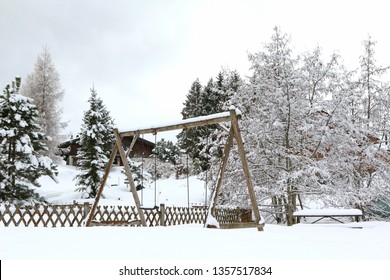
(142, 56)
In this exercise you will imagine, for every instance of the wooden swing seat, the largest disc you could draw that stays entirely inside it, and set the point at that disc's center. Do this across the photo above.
(116, 223)
(260, 227)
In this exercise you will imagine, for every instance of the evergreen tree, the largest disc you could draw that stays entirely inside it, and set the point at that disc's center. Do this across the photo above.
(201, 101)
(96, 141)
(21, 147)
(227, 85)
(141, 177)
(192, 105)
(43, 86)
(166, 151)
(189, 139)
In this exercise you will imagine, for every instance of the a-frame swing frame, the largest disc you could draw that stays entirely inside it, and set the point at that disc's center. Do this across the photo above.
(234, 133)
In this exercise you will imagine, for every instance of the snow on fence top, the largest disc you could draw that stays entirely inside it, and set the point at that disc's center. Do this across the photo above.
(186, 123)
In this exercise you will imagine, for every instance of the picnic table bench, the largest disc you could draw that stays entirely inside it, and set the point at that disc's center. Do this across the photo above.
(332, 213)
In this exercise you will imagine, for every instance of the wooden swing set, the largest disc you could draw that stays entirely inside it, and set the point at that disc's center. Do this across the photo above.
(234, 133)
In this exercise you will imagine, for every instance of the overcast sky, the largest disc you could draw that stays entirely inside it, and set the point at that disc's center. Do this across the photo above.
(142, 56)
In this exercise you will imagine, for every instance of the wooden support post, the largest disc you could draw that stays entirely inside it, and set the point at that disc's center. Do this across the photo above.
(300, 201)
(135, 137)
(87, 208)
(221, 172)
(245, 167)
(129, 177)
(102, 184)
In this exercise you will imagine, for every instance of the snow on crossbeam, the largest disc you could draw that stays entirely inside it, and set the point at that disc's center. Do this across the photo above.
(187, 123)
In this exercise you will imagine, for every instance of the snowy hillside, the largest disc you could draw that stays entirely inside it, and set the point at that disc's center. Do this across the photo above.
(169, 191)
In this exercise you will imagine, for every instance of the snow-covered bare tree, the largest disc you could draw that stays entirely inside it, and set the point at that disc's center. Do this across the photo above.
(308, 131)
(363, 162)
(357, 163)
(285, 118)
(274, 108)
(312, 130)
(371, 88)
(21, 148)
(43, 86)
(96, 141)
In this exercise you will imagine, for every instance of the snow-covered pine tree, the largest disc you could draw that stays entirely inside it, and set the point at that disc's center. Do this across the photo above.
(43, 86)
(226, 85)
(201, 101)
(96, 141)
(189, 139)
(141, 177)
(167, 151)
(21, 148)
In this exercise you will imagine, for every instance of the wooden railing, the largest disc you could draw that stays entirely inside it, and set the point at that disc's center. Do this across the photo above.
(74, 215)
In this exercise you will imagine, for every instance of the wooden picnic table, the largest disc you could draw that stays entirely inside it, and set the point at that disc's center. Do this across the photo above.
(332, 213)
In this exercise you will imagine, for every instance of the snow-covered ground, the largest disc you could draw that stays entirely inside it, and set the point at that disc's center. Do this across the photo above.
(363, 241)
(193, 242)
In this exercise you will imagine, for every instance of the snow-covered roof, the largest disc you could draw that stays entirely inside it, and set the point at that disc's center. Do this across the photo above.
(67, 143)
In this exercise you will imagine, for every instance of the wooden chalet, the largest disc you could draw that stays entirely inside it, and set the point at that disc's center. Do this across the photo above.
(142, 148)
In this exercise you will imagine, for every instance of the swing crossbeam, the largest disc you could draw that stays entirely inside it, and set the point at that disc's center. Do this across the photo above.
(184, 124)
(231, 116)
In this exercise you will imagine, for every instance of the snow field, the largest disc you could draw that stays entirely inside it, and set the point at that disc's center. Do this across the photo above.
(324, 251)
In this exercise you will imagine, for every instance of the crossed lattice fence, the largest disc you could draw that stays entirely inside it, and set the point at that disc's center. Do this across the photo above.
(42, 215)
(74, 215)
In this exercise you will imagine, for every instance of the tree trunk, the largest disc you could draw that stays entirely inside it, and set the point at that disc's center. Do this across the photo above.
(277, 201)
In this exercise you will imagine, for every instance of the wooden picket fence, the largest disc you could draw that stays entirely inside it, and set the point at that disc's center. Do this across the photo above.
(74, 215)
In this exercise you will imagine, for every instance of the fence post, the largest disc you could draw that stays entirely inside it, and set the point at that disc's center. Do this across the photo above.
(87, 208)
(162, 214)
